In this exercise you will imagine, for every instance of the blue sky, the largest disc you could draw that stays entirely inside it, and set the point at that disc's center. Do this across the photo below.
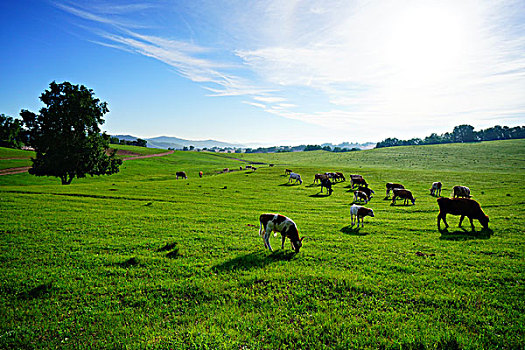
(273, 72)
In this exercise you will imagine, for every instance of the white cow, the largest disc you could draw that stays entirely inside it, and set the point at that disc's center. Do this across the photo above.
(435, 190)
(296, 177)
(359, 212)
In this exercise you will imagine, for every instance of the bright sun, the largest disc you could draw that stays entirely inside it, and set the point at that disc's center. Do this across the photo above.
(425, 43)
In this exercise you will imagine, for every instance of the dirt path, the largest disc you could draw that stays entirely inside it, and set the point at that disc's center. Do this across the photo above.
(10, 171)
(23, 169)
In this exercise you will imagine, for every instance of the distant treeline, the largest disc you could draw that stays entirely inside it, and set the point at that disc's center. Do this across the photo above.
(138, 142)
(300, 148)
(461, 133)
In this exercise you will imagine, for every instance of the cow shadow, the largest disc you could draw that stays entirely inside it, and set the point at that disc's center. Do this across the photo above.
(290, 184)
(319, 195)
(353, 230)
(462, 234)
(255, 260)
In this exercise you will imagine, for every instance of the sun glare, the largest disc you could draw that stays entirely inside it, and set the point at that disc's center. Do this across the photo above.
(425, 43)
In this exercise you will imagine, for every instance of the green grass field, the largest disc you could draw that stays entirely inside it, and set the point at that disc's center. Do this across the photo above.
(141, 260)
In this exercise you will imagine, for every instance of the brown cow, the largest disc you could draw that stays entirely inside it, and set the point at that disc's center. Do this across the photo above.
(357, 180)
(461, 206)
(390, 186)
(320, 177)
(404, 194)
(359, 212)
(181, 174)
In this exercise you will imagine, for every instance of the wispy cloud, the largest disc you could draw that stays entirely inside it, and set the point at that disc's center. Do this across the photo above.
(339, 63)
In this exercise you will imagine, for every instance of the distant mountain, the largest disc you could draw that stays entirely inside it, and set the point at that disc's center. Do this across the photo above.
(366, 145)
(166, 142)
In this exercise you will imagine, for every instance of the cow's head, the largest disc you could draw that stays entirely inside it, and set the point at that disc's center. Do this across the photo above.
(484, 220)
(370, 213)
(296, 245)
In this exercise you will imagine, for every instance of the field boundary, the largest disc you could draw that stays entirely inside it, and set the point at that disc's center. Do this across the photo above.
(19, 170)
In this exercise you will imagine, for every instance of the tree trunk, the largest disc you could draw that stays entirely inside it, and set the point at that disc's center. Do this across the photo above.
(66, 179)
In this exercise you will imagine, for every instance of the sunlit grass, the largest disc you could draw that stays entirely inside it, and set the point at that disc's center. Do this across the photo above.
(139, 259)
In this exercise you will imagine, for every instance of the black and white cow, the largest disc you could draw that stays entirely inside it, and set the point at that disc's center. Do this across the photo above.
(461, 191)
(282, 224)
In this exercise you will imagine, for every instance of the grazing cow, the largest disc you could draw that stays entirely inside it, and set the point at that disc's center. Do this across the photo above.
(296, 177)
(461, 206)
(271, 165)
(325, 182)
(390, 186)
(360, 212)
(201, 173)
(339, 176)
(330, 175)
(404, 194)
(320, 177)
(366, 190)
(287, 171)
(357, 180)
(254, 168)
(282, 224)
(248, 167)
(225, 170)
(435, 190)
(461, 191)
(360, 195)
(181, 174)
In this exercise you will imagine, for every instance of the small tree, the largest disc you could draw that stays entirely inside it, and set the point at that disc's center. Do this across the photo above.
(11, 133)
(66, 134)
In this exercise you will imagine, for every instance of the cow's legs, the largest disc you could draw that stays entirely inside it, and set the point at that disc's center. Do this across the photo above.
(461, 220)
(472, 223)
(267, 240)
(283, 237)
(444, 218)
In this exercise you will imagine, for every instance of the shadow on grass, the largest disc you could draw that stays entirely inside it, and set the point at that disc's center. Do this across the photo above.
(37, 292)
(354, 231)
(462, 234)
(128, 263)
(254, 260)
(319, 195)
(290, 184)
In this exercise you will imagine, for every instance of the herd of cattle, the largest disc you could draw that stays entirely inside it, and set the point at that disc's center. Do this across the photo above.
(460, 204)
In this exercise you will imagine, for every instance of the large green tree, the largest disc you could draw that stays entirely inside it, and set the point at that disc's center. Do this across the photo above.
(66, 134)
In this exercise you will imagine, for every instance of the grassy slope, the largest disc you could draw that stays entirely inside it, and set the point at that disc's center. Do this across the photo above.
(140, 259)
(23, 158)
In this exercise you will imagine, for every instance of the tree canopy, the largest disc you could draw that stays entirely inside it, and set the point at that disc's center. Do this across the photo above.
(461, 133)
(11, 133)
(66, 134)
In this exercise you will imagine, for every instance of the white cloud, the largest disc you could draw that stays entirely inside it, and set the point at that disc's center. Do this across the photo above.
(344, 64)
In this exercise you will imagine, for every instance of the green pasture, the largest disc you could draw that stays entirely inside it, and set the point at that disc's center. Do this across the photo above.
(142, 260)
